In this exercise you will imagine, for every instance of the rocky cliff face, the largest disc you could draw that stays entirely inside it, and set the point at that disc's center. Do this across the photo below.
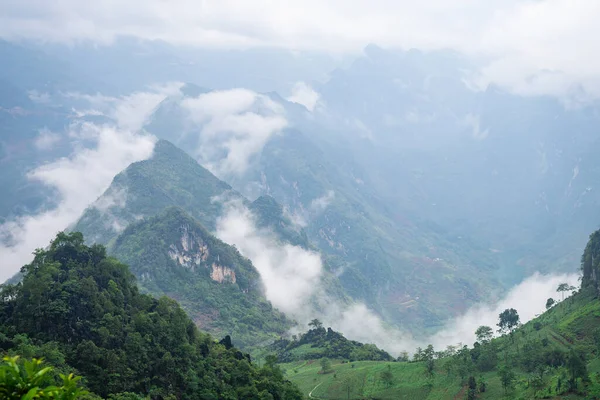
(191, 252)
(222, 274)
(590, 262)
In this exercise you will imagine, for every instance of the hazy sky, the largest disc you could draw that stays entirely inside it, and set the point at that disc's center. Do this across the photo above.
(521, 38)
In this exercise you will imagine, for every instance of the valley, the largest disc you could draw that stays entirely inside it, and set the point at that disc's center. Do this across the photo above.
(283, 201)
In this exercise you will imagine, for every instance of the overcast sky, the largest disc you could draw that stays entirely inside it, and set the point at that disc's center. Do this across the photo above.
(560, 37)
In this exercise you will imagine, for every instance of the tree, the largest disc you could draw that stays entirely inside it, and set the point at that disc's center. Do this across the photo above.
(428, 353)
(387, 377)
(325, 365)
(87, 310)
(315, 324)
(31, 380)
(549, 303)
(418, 356)
(430, 367)
(472, 391)
(484, 334)
(508, 321)
(507, 378)
(482, 385)
(577, 369)
(565, 287)
(403, 357)
(428, 356)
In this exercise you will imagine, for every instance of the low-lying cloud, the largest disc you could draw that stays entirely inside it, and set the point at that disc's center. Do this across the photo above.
(528, 298)
(78, 179)
(46, 139)
(531, 47)
(293, 279)
(291, 275)
(303, 94)
(128, 112)
(232, 127)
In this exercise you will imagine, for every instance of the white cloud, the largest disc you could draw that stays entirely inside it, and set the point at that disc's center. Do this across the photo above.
(111, 201)
(528, 298)
(39, 97)
(79, 180)
(520, 37)
(234, 125)
(46, 139)
(305, 95)
(293, 283)
(291, 275)
(129, 112)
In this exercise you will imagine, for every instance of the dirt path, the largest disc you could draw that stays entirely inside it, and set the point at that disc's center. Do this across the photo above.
(311, 392)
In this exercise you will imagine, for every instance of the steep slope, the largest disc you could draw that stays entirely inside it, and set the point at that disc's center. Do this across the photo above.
(173, 255)
(81, 310)
(144, 189)
(386, 256)
(382, 254)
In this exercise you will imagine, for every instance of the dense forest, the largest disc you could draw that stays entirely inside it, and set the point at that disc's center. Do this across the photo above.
(172, 254)
(82, 312)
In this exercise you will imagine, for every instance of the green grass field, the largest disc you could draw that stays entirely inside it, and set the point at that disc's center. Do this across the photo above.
(570, 324)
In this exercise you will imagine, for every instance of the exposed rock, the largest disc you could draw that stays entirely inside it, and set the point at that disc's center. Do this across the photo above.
(192, 250)
(220, 274)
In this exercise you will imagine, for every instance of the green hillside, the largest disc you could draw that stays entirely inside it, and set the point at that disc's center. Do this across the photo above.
(169, 178)
(82, 312)
(541, 348)
(555, 356)
(147, 218)
(319, 343)
(174, 255)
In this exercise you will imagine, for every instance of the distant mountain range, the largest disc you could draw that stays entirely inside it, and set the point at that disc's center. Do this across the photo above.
(422, 194)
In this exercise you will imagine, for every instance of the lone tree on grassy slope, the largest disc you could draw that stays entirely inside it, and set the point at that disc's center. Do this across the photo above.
(484, 334)
(508, 321)
(325, 365)
(565, 287)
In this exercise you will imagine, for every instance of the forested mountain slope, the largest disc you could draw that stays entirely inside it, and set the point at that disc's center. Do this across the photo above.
(384, 255)
(157, 216)
(174, 255)
(169, 178)
(82, 310)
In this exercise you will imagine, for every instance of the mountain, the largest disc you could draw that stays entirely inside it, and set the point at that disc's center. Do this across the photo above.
(158, 215)
(82, 310)
(169, 178)
(381, 254)
(378, 248)
(174, 255)
(514, 173)
(556, 355)
(172, 178)
(320, 343)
